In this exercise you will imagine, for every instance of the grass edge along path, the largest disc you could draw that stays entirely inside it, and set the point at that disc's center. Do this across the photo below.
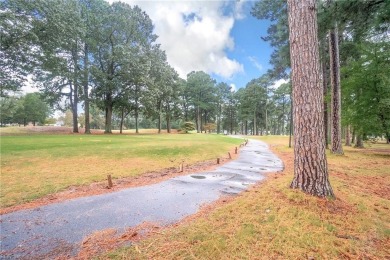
(271, 221)
(35, 166)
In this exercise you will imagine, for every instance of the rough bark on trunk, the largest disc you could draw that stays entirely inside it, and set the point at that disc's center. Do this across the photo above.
(310, 167)
(335, 92)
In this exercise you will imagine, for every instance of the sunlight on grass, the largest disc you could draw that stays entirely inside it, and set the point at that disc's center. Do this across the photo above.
(271, 221)
(37, 165)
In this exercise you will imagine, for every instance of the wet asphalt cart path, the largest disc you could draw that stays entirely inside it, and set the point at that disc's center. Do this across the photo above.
(35, 233)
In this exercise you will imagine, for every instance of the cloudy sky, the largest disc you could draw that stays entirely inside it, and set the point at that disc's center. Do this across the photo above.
(218, 37)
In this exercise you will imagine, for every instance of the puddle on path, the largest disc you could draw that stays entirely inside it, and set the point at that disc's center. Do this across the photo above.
(38, 233)
(198, 177)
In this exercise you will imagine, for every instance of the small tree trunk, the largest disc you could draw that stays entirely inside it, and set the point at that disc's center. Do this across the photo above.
(219, 119)
(359, 141)
(348, 136)
(198, 119)
(136, 115)
(335, 92)
(107, 124)
(122, 118)
(159, 118)
(75, 91)
(168, 118)
(254, 123)
(86, 90)
(325, 89)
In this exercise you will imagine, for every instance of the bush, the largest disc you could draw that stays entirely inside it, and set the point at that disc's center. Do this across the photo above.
(188, 126)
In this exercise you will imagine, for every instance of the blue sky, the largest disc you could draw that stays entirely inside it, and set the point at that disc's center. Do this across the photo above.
(249, 49)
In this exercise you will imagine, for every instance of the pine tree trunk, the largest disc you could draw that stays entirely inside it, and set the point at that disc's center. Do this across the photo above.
(325, 89)
(86, 90)
(348, 136)
(310, 167)
(75, 91)
(335, 92)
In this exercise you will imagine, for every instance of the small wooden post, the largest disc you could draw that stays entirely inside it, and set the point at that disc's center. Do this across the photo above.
(235, 150)
(217, 160)
(181, 167)
(109, 181)
(230, 156)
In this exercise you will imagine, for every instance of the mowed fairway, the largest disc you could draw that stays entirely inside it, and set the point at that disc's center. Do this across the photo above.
(36, 165)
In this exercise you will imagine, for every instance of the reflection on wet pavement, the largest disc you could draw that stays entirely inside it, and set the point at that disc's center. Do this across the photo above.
(37, 233)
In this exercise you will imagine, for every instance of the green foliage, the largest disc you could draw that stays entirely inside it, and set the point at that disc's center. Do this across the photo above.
(24, 109)
(188, 126)
(18, 48)
(366, 90)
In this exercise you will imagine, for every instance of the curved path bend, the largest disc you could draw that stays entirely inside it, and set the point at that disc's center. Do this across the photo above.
(40, 232)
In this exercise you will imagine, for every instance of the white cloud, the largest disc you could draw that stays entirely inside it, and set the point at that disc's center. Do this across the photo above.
(239, 9)
(233, 87)
(255, 63)
(195, 34)
(278, 83)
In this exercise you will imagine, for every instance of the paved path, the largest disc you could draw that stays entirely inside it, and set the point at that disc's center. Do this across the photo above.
(37, 233)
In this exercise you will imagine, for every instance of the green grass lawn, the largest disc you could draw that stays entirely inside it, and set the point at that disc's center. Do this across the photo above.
(35, 165)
